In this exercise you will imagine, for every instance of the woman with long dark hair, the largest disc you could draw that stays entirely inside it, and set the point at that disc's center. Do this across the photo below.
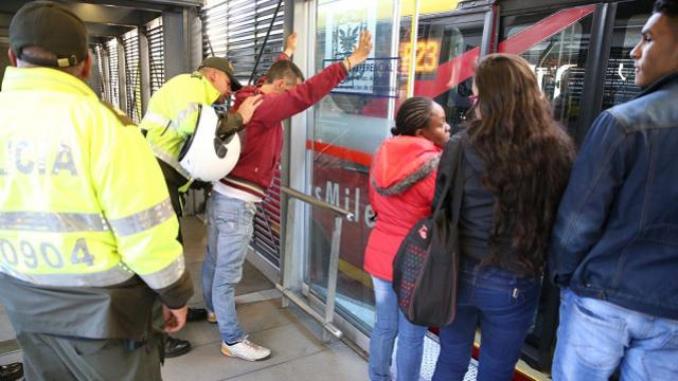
(402, 181)
(516, 165)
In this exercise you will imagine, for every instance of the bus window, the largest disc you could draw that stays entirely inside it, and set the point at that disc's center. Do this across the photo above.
(447, 50)
(556, 46)
(558, 59)
(619, 76)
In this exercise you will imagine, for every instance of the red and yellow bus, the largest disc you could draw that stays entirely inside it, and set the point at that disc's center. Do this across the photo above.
(579, 50)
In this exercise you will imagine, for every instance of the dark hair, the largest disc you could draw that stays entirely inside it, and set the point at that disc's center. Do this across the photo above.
(413, 115)
(284, 69)
(667, 7)
(528, 158)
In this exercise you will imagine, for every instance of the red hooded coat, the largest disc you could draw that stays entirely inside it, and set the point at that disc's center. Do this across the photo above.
(402, 183)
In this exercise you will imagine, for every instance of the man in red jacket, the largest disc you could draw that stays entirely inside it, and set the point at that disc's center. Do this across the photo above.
(232, 204)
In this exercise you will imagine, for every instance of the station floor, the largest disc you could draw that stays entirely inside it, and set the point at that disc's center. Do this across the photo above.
(297, 351)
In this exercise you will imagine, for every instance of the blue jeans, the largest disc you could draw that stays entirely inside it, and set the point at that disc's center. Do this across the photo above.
(503, 305)
(595, 337)
(391, 322)
(229, 230)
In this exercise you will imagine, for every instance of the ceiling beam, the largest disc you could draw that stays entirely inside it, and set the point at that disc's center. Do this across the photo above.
(150, 5)
(103, 30)
(105, 18)
(97, 13)
(91, 13)
(93, 29)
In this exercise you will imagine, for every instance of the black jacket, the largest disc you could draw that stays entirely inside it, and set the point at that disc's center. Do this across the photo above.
(477, 209)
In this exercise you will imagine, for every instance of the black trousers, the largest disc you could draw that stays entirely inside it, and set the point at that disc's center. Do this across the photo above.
(174, 181)
(49, 358)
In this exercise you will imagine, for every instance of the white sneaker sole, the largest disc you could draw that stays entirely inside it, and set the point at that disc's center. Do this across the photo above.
(227, 352)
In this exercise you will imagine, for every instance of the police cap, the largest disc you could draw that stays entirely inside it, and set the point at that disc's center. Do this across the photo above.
(52, 27)
(222, 64)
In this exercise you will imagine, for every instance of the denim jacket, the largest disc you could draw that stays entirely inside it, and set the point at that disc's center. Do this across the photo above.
(616, 233)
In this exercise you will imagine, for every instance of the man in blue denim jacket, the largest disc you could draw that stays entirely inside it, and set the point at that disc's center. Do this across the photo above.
(615, 243)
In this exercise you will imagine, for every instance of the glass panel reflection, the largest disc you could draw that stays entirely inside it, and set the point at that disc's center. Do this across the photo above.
(347, 126)
(559, 60)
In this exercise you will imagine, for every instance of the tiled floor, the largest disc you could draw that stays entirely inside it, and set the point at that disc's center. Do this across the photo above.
(298, 353)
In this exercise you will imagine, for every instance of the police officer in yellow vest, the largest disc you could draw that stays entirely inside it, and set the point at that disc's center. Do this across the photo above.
(173, 113)
(88, 247)
(169, 122)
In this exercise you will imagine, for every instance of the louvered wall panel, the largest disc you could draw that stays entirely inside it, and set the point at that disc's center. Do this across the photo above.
(130, 43)
(156, 47)
(236, 29)
(103, 64)
(113, 76)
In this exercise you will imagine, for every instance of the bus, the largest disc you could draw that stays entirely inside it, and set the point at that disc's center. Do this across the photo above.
(579, 50)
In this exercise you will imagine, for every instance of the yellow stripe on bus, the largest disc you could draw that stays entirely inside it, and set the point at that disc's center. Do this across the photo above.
(427, 6)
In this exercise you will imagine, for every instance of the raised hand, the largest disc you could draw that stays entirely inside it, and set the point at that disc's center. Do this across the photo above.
(291, 44)
(363, 50)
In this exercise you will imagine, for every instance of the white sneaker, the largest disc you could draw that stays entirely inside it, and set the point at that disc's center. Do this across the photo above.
(245, 350)
(211, 317)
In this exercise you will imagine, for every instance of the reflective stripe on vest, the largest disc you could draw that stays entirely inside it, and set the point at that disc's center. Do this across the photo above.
(144, 220)
(115, 275)
(167, 276)
(154, 118)
(86, 222)
(53, 222)
(183, 114)
(164, 121)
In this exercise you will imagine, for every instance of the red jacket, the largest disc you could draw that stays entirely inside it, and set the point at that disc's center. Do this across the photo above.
(262, 138)
(402, 183)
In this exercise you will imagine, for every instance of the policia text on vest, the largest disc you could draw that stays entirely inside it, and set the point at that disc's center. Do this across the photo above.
(88, 249)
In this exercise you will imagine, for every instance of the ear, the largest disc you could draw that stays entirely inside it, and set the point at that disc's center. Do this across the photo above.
(419, 132)
(11, 56)
(279, 83)
(86, 67)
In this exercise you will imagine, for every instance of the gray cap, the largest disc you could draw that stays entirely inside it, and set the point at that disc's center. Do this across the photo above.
(222, 64)
(50, 26)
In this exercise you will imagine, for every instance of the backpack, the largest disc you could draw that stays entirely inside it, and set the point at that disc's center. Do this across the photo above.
(426, 265)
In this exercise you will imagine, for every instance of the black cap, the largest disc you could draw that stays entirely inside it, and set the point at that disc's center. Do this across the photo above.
(222, 64)
(50, 26)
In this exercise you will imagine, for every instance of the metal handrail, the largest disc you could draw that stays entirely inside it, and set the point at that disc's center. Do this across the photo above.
(316, 202)
(333, 267)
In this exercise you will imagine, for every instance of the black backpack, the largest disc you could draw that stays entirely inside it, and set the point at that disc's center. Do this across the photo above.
(426, 265)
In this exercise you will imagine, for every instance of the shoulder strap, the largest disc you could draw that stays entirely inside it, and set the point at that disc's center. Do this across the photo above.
(457, 188)
(448, 169)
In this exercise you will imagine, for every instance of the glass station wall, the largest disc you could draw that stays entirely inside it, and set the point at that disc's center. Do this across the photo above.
(345, 129)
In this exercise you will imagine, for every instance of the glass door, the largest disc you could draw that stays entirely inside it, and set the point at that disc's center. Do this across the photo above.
(346, 127)
(556, 44)
(344, 130)
(444, 72)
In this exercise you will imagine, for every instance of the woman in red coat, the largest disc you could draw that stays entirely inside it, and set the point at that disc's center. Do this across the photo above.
(402, 182)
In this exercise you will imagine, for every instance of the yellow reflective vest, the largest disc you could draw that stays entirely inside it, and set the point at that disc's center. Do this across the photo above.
(173, 113)
(82, 199)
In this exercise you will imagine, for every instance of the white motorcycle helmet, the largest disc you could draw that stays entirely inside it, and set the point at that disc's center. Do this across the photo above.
(205, 156)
